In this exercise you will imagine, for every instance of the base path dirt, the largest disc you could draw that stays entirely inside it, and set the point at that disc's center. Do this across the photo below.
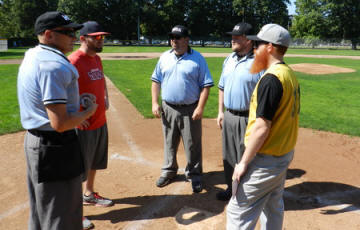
(322, 190)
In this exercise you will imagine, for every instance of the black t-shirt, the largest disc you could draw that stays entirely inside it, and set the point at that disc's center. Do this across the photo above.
(269, 94)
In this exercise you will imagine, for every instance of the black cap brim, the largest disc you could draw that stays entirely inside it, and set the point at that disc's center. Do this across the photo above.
(178, 34)
(73, 25)
(234, 33)
(254, 38)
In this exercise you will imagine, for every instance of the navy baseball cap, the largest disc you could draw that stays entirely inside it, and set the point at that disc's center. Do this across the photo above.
(92, 28)
(242, 28)
(179, 30)
(53, 19)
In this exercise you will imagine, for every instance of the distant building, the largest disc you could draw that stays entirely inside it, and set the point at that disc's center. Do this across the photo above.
(3, 44)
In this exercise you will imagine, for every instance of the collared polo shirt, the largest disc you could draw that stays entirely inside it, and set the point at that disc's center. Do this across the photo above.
(183, 78)
(45, 77)
(237, 82)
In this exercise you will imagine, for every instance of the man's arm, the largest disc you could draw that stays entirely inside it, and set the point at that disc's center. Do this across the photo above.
(155, 92)
(259, 133)
(61, 120)
(220, 116)
(198, 112)
(107, 103)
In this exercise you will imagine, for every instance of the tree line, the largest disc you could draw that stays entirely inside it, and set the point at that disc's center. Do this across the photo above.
(126, 19)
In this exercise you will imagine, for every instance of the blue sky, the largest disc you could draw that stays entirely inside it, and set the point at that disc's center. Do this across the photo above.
(291, 7)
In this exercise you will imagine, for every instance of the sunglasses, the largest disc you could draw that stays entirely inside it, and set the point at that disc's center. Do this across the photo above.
(175, 37)
(259, 43)
(97, 37)
(69, 33)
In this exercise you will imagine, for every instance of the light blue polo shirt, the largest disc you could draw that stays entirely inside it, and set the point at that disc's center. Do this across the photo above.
(182, 79)
(45, 77)
(237, 82)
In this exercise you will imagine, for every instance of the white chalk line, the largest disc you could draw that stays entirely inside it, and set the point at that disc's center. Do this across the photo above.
(146, 217)
(14, 210)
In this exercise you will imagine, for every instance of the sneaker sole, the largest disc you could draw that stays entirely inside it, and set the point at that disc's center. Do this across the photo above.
(98, 205)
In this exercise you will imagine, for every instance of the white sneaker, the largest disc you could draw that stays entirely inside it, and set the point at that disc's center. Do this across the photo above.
(87, 223)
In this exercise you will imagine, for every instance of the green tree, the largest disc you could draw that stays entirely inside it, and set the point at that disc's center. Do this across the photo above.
(327, 19)
(261, 12)
(18, 16)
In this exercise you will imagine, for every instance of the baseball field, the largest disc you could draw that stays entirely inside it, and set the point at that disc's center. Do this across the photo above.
(322, 189)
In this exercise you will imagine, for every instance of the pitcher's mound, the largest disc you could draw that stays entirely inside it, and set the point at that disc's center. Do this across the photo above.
(318, 69)
(191, 218)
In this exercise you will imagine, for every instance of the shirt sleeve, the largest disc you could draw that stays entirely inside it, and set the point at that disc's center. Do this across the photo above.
(157, 76)
(52, 82)
(269, 94)
(221, 84)
(205, 76)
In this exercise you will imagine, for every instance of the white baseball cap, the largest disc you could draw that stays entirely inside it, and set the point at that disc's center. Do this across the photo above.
(272, 33)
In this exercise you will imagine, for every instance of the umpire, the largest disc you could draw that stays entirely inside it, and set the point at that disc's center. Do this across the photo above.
(235, 88)
(49, 100)
(183, 76)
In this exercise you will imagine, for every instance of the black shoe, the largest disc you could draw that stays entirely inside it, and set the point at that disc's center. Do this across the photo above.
(224, 195)
(196, 186)
(163, 181)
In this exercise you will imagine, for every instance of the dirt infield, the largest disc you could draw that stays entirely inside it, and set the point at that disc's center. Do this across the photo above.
(322, 190)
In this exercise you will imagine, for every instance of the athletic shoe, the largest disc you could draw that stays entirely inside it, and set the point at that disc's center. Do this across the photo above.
(224, 195)
(163, 181)
(87, 223)
(196, 186)
(97, 200)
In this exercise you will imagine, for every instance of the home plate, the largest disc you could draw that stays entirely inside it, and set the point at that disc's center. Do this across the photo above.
(191, 218)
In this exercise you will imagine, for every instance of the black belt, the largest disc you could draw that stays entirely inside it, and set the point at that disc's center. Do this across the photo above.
(181, 105)
(239, 113)
(52, 134)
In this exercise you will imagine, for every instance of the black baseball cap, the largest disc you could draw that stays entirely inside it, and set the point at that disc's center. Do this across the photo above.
(242, 28)
(53, 19)
(92, 28)
(179, 30)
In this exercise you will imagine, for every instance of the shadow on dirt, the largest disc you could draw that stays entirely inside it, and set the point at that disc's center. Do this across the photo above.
(312, 195)
(303, 196)
(160, 206)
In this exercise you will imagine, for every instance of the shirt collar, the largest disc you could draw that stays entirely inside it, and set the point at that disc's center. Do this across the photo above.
(54, 50)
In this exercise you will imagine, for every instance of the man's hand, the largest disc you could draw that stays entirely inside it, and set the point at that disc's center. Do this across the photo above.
(239, 171)
(85, 124)
(220, 119)
(156, 110)
(197, 115)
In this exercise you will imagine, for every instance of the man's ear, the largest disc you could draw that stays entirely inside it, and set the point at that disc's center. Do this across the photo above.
(82, 38)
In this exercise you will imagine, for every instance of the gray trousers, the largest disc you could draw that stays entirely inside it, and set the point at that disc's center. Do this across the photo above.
(177, 123)
(233, 147)
(53, 205)
(94, 147)
(260, 193)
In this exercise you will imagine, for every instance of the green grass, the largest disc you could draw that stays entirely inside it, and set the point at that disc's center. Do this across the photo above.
(18, 53)
(14, 53)
(328, 102)
(9, 109)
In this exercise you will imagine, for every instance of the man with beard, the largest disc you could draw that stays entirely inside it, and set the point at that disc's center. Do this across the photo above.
(235, 88)
(183, 76)
(270, 136)
(94, 134)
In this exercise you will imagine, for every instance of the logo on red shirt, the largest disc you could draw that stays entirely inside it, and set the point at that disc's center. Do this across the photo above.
(95, 74)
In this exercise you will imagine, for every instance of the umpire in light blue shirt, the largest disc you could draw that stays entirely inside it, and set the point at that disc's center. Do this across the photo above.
(235, 88)
(184, 79)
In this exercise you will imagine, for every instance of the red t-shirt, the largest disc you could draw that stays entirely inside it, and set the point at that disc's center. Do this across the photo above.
(92, 81)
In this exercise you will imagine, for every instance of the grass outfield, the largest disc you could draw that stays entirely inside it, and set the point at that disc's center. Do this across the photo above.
(18, 53)
(328, 102)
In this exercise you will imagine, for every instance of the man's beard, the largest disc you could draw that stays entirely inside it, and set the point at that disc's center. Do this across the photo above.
(260, 62)
(98, 49)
